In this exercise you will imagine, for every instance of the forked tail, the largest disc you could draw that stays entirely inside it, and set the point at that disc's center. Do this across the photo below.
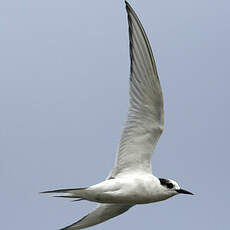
(69, 193)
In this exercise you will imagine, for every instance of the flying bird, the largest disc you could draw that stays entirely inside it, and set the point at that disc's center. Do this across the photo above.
(131, 180)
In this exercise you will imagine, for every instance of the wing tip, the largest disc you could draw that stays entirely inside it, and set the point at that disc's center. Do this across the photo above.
(74, 224)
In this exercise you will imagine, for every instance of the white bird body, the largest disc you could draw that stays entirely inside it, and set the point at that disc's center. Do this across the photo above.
(133, 189)
(131, 181)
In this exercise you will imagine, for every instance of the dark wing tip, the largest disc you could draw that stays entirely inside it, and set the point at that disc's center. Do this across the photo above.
(127, 4)
(130, 9)
(133, 16)
(74, 224)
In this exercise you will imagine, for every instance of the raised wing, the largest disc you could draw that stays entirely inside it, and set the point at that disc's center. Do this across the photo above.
(146, 114)
(102, 213)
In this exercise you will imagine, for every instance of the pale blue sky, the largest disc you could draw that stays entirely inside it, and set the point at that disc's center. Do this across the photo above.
(64, 95)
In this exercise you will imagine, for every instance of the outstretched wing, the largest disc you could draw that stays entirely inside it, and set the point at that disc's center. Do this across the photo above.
(102, 213)
(146, 114)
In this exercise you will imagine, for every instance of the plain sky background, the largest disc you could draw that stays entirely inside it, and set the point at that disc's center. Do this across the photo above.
(64, 69)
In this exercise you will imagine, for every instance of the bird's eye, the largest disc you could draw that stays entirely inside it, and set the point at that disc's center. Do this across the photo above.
(170, 185)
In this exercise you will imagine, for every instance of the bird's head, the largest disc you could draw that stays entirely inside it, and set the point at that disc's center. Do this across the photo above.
(172, 188)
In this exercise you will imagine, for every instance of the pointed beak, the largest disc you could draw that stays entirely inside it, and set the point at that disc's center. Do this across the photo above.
(184, 191)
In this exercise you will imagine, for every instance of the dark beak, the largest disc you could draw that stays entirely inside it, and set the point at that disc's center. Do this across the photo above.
(184, 191)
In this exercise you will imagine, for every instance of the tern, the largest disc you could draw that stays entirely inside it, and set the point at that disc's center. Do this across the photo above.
(131, 180)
